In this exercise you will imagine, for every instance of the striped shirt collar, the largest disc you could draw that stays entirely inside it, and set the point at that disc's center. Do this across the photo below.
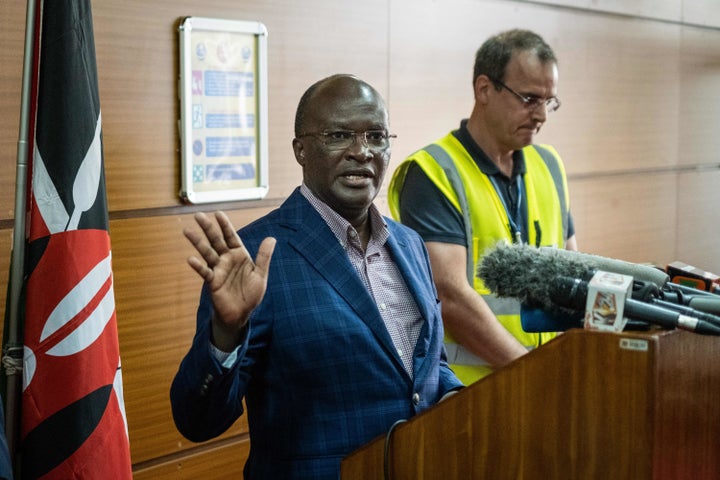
(341, 228)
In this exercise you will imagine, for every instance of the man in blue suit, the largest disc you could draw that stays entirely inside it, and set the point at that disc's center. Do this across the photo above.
(334, 332)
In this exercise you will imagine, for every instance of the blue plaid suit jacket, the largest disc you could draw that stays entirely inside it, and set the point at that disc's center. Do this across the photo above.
(318, 369)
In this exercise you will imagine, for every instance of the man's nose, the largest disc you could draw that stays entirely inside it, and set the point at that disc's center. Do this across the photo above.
(359, 147)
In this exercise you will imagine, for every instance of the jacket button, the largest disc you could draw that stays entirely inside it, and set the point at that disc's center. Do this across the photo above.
(416, 398)
(205, 387)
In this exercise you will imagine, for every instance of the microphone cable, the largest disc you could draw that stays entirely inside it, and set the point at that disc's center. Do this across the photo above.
(386, 453)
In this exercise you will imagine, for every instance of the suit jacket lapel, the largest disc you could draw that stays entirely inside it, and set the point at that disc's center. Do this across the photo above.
(413, 273)
(425, 297)
(314, 240)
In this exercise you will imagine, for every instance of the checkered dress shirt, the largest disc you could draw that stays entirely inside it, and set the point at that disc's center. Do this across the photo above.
(380, 276)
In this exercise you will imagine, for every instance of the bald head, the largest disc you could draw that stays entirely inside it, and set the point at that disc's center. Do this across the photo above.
(335, 87)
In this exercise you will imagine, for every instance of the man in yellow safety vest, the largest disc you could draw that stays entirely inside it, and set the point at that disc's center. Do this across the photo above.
(485, 182)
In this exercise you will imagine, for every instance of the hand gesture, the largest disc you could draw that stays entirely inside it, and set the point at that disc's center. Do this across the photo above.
(237, 284)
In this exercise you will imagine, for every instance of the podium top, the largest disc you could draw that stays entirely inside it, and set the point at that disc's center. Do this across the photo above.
(586, 405)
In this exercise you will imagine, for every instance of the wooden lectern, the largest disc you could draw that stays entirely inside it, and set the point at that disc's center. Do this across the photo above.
(587, 405)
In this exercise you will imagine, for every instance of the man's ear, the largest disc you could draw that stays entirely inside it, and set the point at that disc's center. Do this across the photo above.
(299, 150)
(481, 88)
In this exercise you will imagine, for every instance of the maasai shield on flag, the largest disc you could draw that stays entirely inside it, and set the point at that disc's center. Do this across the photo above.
(73, 414)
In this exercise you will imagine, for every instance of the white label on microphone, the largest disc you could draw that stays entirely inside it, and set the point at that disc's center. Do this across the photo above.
(605, 302)
(634, 344)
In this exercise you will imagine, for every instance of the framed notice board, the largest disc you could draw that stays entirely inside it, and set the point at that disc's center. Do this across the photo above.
(223, 110)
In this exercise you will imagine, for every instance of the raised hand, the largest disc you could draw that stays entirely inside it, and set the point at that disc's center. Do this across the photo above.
(237, 284)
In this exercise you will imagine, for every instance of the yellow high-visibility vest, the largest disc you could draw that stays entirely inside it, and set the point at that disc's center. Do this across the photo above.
(456, 174)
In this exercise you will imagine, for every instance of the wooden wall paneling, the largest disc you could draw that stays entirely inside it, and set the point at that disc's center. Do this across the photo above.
(431, 59)
(137, 77)
(698, 219)
(354, 40)
(137, 61)
(628, 217)
(619, 87)
(670, 10)
(619, 100)
(699, 97)
(156, 297)
(12, 39)
(226, 461)
(701, 12)
(5, 254)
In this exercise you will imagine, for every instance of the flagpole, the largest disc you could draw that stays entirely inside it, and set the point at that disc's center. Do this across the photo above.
(12, 348)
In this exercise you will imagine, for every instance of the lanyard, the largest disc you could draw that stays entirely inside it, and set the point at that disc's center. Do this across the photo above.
(513, 220)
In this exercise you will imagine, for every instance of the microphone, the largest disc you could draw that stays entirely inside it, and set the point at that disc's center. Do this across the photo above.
(572, 293)
(522, 271)
(692, 297)
(537, 320)
(705, 304)
(687, 310)
(596, 262)
(705, 300)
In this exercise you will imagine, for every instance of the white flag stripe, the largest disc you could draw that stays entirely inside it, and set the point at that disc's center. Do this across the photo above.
(46, 196)
(29, 366)
(78, 297)
(118, 389)
(87, 179)
(89, 330)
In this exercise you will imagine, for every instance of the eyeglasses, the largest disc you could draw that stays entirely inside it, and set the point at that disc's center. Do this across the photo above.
(376, 140)
(531, 103)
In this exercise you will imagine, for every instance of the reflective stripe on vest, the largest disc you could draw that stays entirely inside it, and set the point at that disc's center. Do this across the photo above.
(444, 160)
(502, 305)
(459, 355)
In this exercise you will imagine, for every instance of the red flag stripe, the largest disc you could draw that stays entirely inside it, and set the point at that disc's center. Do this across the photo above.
(73, 418)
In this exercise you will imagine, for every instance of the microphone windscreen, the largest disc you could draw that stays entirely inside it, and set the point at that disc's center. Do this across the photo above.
(597, 262)
(522, 272)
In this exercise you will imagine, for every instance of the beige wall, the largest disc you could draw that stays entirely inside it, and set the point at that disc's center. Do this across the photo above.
(638, 132)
